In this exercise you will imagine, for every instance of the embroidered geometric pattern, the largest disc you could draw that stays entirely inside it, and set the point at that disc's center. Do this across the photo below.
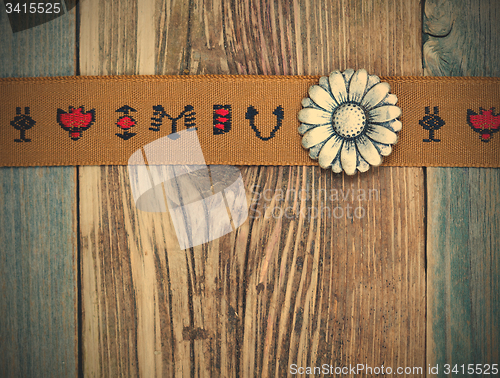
(22, 122)
(431, 123)
(159, 113)
(252, 112)
(126, 122)
(222, 119)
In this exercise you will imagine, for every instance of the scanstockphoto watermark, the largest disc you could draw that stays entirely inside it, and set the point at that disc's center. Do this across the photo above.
(443, 369)
(330, 370)
(334, 203)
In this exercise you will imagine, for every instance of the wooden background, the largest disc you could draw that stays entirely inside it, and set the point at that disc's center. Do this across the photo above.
(92, 287)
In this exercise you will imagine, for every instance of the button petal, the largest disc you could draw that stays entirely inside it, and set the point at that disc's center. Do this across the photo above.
(357, 86)
(336, 166)
(381, 134)
(368, 151)
(385, 149)
(337, 87)
(330, 151)
(363, 166)
(322, 98)
(316, 136)
(315, 116)
(384, 113)
(396, 125)
(375, 95)
(348, 157)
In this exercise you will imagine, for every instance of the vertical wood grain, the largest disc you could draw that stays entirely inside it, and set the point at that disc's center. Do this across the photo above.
(38, 276)
(122, 311)
(277, 291)
(464, 203)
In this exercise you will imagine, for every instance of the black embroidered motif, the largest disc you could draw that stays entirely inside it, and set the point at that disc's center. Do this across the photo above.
(486, 123)
(76, 121)
(252, 112)
(159, 113)
(125, 122)
(431, 122)
(23, 122)
(222, 119)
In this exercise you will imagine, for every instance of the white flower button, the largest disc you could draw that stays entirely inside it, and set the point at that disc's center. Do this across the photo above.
(349, 121)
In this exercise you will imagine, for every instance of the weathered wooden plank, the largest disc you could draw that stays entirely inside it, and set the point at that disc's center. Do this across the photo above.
(127, 325)
(463, 245)
(277, 291)
(38, 275)
(316, 311)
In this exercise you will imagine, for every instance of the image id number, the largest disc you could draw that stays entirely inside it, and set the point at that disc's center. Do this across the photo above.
(34, 8)
(471, 369)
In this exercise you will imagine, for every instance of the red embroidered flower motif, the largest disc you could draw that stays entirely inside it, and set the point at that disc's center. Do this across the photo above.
(76, 121)
(126, 122)
(486, 123)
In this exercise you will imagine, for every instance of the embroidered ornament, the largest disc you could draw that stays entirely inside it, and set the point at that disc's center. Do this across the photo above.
(222, 119)
(486, 123)
(23, 122)
(431, 123)
(252, 112)
(349, 121)
(76, 121)
(125, 122)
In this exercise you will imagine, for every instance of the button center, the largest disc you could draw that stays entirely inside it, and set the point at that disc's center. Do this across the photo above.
(349, 120)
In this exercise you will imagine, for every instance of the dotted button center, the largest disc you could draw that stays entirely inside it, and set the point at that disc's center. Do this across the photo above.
(349, 120)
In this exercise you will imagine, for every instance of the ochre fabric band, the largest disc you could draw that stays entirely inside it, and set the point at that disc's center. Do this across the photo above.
(240, 120)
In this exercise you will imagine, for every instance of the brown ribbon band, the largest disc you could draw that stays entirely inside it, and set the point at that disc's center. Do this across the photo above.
(240, 120)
